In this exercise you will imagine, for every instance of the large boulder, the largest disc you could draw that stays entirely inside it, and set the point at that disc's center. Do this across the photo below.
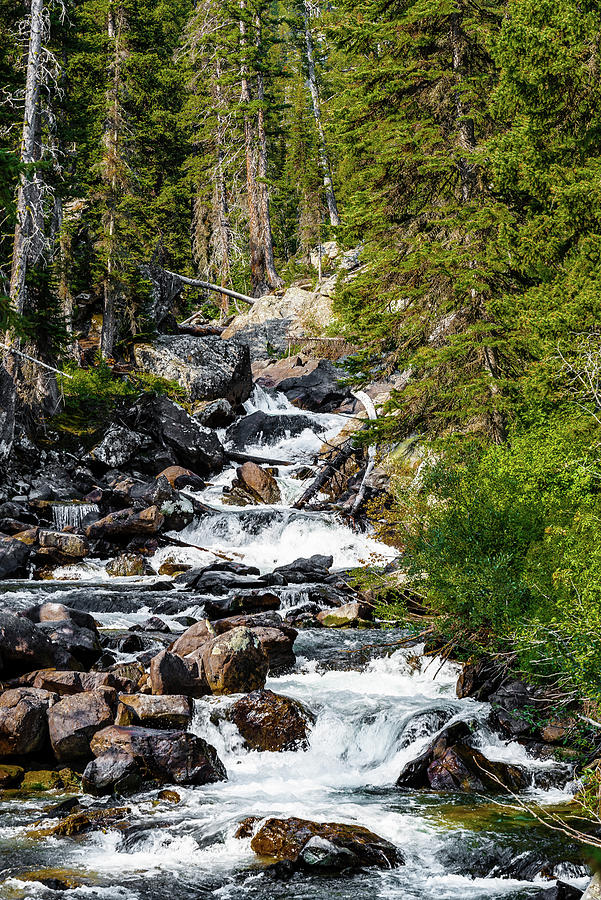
(83, 644)
(70, 545)
(208, 368)
(449, 763)
(186, 441)
(285, 839)
(167, 756)
(23, 722)
(269, 721)
(58, 612)
(8, 396)
(318, 389)
(118, 446)
(112, 773)
(349, 615)
(305, 570)
(24, 647)
(68, 683)
(258, 483)
(193, 638)
(261, 428)
(14, 555)
(179, 478)
(170, 674)
(245, 601)
(234, 662)
(150, 711)
(74, 721)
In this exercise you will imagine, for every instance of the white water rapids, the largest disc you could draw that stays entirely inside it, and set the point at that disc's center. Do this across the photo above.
(371, 719)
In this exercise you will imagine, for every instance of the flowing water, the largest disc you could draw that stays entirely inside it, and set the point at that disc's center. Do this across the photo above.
(376, 708)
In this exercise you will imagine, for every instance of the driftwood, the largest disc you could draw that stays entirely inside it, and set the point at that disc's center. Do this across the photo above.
(326, 472)
(209, 286)
(179, 543)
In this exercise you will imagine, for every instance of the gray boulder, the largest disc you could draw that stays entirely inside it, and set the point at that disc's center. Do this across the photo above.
(13, 557)
(118, 446)
(209, 368)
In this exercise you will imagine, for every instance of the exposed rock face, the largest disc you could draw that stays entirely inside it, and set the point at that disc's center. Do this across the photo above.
(448, 763)
(118, 446)
(269, 721)
(167, 711)
(261, 486)
(209, 368)
(74, 721)
(285, 839)
(23, 723)
(14, 555)
(234, 662)
(7, 413)
(168, 756)
(24, 647)
(261, 428)
(125, 523)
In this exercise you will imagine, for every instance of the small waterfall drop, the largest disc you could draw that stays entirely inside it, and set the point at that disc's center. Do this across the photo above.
(71, 514)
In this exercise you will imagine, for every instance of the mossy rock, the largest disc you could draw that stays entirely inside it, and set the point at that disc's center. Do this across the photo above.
(42, 780)
(11, 776)
(85, 821)
(169, 796)
(55, 879)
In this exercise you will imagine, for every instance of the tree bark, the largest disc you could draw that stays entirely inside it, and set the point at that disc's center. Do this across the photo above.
(221, 203)
(324, 159)
(257, 254)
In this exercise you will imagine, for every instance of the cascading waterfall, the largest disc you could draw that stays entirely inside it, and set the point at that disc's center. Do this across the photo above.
(71, 514)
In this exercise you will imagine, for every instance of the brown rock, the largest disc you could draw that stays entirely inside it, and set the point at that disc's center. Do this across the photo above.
(23, 647)
(168, 756)
(75, 720)
(553, 733)
(284, 839)
(11, 776)
(66, 544)
(179, 478)
(83, 822)
(277, 640)
(193, 638)
(170, 712)
(234, 662)
(269, 721)
(23, 722)
(173, 567)
(258, 483)
(124, 522)
(170, 674)
(348, 615)
(29, 536)
(66, 683)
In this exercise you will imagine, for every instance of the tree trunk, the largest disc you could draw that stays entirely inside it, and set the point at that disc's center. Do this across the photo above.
(29, 231)
(257, 254)
(272, 276)
(315, 102)
(113, 301)
(221, 203)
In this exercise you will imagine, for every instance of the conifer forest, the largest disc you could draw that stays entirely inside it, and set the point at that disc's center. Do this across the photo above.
(300, 449)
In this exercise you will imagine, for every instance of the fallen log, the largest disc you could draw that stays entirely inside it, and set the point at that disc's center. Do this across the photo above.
(235, 456)
(209, 286)
(326, 472)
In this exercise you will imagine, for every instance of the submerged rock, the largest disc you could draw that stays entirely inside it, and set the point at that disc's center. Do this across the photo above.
(285, 839)
(269, 721)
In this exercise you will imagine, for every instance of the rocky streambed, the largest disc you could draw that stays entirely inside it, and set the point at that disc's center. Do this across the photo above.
(198, 704)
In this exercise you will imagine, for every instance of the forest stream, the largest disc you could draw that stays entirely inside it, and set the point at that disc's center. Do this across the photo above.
(376, 705)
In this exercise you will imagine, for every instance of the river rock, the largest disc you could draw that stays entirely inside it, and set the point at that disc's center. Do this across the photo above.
(208, 368)
(127, 565)
(112, 773)
(10, 776)
(83, 644)
(69, 683)
(171, 674)
(318, 389)
(71, 545)
(126, 523)
(14, 555)
(261, 428)
(86, 821)
(269, 721)
(164, 711)
(74, 721)
(304, 570)
(448, 763)
(261, 486)
(179, 478)
(58, 612)
(24, 647)
(234, 662)
(23, 720)
(285, 839)
(479, 679)
(348, 615)
(118, 446)
(276, 637)
(193, 638)
(217, 414)
(168, 756)
(248, 601)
